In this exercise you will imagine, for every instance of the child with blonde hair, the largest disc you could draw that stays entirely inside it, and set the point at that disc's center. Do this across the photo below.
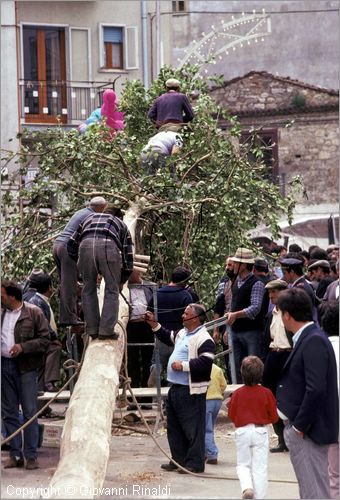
(215, 394)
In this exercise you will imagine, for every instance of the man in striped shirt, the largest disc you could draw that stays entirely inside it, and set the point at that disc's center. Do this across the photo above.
(105, 247)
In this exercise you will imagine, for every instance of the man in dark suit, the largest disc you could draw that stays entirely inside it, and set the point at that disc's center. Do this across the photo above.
(307, 395)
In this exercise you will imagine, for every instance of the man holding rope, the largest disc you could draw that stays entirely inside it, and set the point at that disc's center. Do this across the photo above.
(189, 369)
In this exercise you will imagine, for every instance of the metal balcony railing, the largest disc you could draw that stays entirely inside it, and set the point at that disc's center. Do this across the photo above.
(59, 101)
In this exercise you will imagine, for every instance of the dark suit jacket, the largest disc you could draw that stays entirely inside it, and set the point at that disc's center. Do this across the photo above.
(307, 390)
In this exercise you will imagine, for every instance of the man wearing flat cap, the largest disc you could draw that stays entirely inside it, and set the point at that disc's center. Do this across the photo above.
(321, 269)
(246, 315)
(280, 346)
(172, 109)
(67, 268)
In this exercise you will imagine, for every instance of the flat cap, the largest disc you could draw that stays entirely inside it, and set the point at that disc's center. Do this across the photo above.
(172, 82)
(36, 274)
(276, 285)
(291, 262)
(261, 264)
(319, 263)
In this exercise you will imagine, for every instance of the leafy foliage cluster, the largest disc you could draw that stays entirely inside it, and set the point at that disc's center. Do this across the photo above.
(197, 217)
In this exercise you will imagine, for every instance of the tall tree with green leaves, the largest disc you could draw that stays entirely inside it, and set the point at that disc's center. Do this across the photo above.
(195, 217)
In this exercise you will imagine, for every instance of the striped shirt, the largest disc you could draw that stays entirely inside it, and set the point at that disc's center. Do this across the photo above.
(105, 226)
(256, 296)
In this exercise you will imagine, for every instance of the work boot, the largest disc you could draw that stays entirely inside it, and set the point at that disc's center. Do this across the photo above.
(14, 462)
(281, 447)
(31, 464)
(169, 467)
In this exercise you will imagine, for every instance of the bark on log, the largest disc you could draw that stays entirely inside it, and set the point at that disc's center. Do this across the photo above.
(86, 435)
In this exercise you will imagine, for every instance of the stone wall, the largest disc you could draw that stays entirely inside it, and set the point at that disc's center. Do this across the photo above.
(312, 151)
(263, 92)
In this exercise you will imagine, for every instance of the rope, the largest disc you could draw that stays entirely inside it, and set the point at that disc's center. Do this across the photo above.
(126, 383)
(69, 363)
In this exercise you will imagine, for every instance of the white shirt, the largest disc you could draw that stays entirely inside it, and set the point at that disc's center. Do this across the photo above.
(278, 332)
(7, 331)
(164, 141)
(138, 302)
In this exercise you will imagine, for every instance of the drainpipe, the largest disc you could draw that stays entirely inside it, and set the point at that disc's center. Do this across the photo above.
(19, 93)
(158, 38)
(145, 44)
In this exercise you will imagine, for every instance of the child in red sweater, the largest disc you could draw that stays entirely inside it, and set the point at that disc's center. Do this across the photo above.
(252, 408)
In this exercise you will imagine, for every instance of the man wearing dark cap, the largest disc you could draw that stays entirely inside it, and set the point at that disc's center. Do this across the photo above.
(29, 288)
(332, 292)
(279, 349)
(321, 269)
(67, 268)
(172, 109)
(261, 270)
(292, 269)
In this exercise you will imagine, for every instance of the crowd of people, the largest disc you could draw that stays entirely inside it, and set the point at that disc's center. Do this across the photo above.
(277, 323)
(281, 325)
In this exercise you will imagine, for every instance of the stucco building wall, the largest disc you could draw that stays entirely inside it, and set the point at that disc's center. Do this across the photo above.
(303, 44)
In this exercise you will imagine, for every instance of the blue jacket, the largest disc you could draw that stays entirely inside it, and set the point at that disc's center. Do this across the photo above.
(42, 304)
(307, 390)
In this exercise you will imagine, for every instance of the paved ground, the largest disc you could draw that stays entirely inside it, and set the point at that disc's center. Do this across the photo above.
(134, 471)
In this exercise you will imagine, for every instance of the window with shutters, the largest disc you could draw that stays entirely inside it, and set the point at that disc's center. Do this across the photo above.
(113, 47)
(118, 47)
(179, 6)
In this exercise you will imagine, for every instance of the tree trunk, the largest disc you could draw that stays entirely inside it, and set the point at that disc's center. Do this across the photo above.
(86, 436)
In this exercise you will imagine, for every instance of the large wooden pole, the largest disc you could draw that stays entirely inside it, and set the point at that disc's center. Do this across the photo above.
(86, 435)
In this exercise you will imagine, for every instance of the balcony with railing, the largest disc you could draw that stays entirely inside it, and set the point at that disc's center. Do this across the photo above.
(59, 102)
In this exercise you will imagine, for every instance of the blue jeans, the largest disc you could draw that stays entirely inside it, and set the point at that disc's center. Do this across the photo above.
(245, 344)
(19, 388)
(213, 406)
(186, 426)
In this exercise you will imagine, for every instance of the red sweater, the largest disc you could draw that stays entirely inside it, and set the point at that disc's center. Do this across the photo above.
(252, 405)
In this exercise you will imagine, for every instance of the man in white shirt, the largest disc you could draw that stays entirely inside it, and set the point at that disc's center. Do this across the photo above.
(24, 339)
(158, 149)
(279, 349)
(139, 332)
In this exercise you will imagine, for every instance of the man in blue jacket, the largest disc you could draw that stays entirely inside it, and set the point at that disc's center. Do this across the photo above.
(307, 395)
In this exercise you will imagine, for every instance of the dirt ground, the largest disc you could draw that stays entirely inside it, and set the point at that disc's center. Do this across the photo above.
(133, 469)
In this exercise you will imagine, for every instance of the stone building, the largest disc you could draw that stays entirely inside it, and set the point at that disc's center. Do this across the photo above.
(299, 125)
